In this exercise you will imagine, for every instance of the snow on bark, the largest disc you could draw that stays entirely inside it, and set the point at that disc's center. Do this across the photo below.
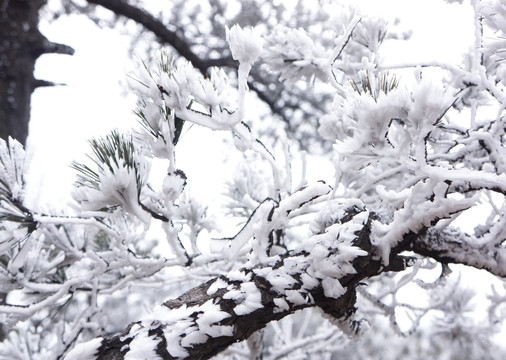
(427, 204)
(454, 246)
(229, 308)
(85, 351)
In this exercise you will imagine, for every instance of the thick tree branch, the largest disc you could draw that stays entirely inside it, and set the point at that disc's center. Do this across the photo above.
(453, 246)
(210, 317)
(323, 272)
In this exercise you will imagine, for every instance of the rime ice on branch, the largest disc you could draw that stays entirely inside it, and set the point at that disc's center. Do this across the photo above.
(231, 307)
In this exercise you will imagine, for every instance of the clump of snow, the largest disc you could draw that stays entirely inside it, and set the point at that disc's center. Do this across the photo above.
(209, 315)
(239, 275)
(12, 167)
(281, 305)
(193, 336)
(85, 351)
(143, 346)
(308, 282)
(332, 288)
(246, 44)
(248, 298)
(280, 280)
(174, 339)
(293, 54)
(173, 186)
(295, 297)
(426, 203)
(216, 285)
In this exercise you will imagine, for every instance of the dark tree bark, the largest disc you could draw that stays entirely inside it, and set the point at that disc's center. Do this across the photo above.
(227, 300)
(165, 339)
(230, 308)
(20, 45)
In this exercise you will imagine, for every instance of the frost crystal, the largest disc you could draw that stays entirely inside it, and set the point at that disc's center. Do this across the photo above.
(293, 53)
(12, 161)
(245, 44)
(143, 347)
(248, 298)
(117, 179)
(85, 351)
(215, 286)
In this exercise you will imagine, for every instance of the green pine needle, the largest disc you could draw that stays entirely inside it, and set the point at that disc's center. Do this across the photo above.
(384, 83)
(110, 152)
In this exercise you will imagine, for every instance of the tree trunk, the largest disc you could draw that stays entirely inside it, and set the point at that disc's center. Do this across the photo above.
(20, 46)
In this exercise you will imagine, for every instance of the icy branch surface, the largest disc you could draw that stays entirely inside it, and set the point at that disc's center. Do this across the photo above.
(231, 307)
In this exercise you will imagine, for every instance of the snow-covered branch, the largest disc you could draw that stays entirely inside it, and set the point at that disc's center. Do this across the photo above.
(323, 272)
(453, 246)
(229, 308)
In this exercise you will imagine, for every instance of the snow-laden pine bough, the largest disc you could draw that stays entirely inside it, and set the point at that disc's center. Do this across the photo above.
(323, 272)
